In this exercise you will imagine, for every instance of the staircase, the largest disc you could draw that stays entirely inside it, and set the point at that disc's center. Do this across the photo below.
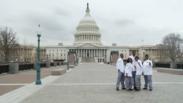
(87, 59)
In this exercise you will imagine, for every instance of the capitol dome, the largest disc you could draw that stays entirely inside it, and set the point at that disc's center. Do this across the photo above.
(87, 31)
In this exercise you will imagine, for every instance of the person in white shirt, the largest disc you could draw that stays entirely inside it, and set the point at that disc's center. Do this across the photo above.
(147, 70)
(120, 68)
(139, 68)
(134, 70)
(128, 74)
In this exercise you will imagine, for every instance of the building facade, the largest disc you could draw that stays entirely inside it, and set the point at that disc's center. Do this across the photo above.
(87, 46)
(26, 54)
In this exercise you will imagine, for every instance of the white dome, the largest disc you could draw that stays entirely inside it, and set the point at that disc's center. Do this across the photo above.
(87, 31)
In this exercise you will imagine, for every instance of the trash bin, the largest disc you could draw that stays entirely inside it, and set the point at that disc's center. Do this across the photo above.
(13, 67)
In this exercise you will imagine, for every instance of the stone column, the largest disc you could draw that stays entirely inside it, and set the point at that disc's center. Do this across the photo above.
(86, 53)
(83, 53)
(92, 53)
(79, 52)
(89, 52)
(99, 53)
(95, 52)
(102, 52)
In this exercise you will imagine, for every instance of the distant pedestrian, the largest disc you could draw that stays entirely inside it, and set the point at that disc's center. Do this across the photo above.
(147, 70)
(128, 74)
(120, 68)
(139, 69)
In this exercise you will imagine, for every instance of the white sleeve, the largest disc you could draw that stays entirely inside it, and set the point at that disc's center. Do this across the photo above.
(140, 63)
(127, 68)
(151, 64)
(143, 66)
(117, 64)
(123, 65)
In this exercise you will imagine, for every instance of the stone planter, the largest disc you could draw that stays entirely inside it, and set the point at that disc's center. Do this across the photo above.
(13, 68)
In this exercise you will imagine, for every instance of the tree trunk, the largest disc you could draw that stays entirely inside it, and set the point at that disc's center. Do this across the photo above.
(6, 56)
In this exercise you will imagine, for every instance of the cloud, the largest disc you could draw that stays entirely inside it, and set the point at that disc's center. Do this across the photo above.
(120, 21)
(61, 12)
(124, 22)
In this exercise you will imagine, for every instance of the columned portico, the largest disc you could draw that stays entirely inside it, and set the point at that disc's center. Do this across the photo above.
(90, 54)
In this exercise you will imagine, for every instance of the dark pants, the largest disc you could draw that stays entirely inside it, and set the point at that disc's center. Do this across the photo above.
(133, 76)
(120, 79)
(128, 82)
(138, 82)
(148, 81)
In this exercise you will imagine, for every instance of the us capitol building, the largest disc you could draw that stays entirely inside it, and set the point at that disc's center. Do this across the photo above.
(87, 46)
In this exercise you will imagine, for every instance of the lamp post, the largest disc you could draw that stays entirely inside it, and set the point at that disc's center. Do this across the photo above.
(68, 60)
(38, 69)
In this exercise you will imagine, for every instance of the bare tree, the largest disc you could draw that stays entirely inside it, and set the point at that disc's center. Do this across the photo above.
(172, 45)
(7, 42)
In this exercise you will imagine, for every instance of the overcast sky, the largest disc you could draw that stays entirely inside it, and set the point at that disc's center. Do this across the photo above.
(125, 22)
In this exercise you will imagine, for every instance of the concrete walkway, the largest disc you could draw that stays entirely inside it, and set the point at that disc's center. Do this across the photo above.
(95, 83)
(10, 82)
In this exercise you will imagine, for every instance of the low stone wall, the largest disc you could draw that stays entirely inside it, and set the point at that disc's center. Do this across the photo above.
(56, 72)
(5, 68)
(170, 71)
(71, 66)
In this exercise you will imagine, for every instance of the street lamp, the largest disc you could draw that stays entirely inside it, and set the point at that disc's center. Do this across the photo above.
(38, 69)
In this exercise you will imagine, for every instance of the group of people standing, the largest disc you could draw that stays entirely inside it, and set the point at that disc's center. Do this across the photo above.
(129, 73)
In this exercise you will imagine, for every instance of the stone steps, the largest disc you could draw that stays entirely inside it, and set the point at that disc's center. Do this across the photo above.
(88, 60)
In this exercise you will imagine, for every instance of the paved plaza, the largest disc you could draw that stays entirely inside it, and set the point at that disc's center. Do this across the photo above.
(95, 83)
(9, 82)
